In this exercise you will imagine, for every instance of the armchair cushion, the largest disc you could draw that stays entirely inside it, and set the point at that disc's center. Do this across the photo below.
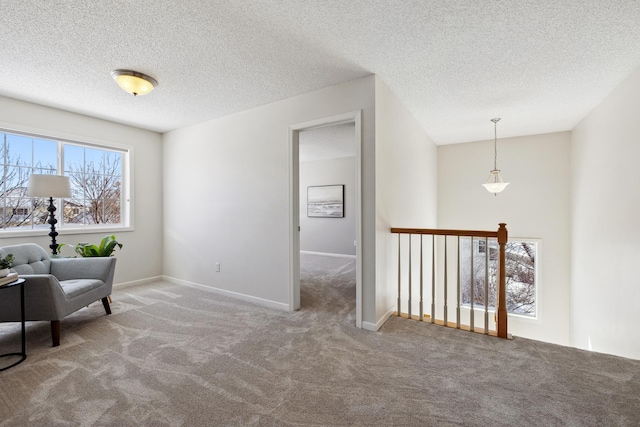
(28, 259)
(73, 288)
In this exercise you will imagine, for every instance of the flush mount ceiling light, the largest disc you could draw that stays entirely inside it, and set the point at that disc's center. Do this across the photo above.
(134, 82)
(495, 184)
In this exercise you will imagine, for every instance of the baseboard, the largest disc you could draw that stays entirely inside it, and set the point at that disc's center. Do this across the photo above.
(328, 254)
(375, 326)
(137, 282)
(259, 301)
(368, 326)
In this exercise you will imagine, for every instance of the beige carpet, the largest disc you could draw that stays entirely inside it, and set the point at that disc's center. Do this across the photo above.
(177, 356)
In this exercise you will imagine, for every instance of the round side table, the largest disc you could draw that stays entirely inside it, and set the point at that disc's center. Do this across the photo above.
(18, 282)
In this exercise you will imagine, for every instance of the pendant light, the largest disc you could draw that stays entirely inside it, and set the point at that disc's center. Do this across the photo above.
(134, 82)
(495, 184)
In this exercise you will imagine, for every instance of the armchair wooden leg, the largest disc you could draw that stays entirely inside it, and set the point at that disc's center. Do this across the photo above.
(105, 302)
(55, 332)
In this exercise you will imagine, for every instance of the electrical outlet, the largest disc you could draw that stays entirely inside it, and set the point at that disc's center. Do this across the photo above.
(217, 267)
(354, 243)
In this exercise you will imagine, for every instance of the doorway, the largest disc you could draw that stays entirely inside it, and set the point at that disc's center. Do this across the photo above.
(324, 126)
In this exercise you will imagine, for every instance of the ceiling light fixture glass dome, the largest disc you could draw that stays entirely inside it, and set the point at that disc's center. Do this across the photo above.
(134, 82)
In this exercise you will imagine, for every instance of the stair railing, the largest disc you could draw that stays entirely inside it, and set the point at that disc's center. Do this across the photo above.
(441, 283)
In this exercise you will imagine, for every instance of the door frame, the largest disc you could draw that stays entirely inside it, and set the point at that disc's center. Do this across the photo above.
(294, 203)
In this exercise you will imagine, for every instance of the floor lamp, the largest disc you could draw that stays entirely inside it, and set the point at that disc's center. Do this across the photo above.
(50, 186)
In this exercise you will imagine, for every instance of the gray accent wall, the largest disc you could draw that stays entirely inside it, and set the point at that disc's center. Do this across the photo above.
(329, 235)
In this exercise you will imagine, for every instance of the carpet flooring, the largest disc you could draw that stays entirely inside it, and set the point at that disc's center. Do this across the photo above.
(172, 355)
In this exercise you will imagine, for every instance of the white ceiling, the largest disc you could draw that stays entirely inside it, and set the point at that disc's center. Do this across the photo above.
(329, 142)
(541, 65)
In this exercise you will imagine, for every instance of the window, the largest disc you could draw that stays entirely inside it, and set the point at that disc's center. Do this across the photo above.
(482, 249)
(520, 269)
(96, 174)
(96, 179)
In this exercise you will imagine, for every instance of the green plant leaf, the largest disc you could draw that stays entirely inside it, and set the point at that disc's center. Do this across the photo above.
(105, 248)
(104, 242)
(7, 261)
(108, 249)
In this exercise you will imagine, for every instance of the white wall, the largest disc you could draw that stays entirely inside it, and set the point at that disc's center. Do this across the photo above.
(536, 204)
(329, 235)
(605, 301)
(141, 256)
(226, 186)
(406, 188)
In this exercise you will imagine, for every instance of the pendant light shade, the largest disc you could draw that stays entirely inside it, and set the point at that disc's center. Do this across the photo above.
(495, 184)
(134, 82)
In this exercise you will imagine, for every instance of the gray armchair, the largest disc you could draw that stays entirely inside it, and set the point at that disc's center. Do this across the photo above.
(55, 287)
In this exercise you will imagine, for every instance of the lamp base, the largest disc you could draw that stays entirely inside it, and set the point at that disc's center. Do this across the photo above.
(52, 222)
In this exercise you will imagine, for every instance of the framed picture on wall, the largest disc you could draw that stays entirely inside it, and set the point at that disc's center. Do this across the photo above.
(325, 201)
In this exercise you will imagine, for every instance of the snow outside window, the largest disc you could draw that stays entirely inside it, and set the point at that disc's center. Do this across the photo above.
(520, 269)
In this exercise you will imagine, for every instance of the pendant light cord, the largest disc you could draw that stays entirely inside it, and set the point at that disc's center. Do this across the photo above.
(495, 143)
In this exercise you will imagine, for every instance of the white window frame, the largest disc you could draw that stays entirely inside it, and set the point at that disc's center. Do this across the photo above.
(127, 211)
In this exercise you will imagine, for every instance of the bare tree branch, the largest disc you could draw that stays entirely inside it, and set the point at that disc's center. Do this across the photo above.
(520, 275)
(95, 191)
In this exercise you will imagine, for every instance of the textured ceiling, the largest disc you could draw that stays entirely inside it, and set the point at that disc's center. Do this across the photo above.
(541, 65)
(330, 142)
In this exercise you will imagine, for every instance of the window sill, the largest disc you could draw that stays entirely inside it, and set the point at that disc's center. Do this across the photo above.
(44, 232)
(491, 311)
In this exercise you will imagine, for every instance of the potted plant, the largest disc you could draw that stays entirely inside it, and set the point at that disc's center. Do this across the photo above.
(5, 264)
(106, 247)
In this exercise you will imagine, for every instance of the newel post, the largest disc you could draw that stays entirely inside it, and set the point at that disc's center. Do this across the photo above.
(503, 237)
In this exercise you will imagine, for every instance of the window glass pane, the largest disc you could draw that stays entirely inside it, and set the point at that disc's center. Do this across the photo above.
(94, 160)
(73, 158)
(40, 212)
(97, 187)
(520, 274)
(19, 150)
(15, 181)
(45, 155)
(521, 278)
(18, 212)
(73, 212)
(112, 211)
(77, 190)
(113, 163)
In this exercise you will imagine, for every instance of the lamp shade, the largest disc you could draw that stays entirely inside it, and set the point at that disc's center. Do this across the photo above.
(56, 186)
(134, 82)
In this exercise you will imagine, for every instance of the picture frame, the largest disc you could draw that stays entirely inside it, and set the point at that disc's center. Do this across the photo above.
(325, 201)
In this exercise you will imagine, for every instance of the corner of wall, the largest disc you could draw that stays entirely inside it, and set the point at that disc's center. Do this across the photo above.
(605, 202)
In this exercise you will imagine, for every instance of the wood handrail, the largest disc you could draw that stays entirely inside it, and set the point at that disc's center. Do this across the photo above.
(441, 232)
